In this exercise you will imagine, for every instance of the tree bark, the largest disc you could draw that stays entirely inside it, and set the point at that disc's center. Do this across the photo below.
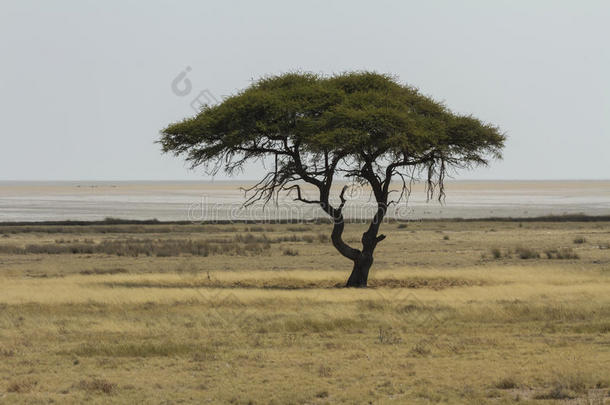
(360, 272)
(364, 259)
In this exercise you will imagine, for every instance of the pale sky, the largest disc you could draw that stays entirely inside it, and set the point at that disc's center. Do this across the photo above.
(86, 86)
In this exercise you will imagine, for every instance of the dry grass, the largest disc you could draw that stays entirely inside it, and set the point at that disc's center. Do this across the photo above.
(445, 320)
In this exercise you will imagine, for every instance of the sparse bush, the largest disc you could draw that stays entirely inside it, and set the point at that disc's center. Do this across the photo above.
(561, 254)
(557, 392)
(507, 383)
(148, 349)
(240, 245)
(402, 226)
(97, 385)
(526, 253)
(446, 237)
(387, 336)
(496, 253)
(22, 386)
(324, 371)
(421, 349)
(579, 240)
(308, 238)
(249, 238)
(298, 229)
(104, 271)
(7, 352)
(290, 252)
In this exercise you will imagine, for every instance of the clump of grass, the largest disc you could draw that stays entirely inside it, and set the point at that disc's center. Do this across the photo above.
(387, 336)
(7, 352)
(561, 254)
(324, 371)
(308, 238)
(249, 238)
(507, 383)
(97, 385)
(557, 392)
(118, 270)
(22, 386)
(290, 252)
(579, 240)
(148, 349)
(318, 325)
(496, 253)
(322, 394)
(86, 241)
(526, 253)
(240, 245)
(421, 349)
(402, 226)
(446, 237)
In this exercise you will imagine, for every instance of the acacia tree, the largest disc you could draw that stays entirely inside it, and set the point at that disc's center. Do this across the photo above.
(362, 126)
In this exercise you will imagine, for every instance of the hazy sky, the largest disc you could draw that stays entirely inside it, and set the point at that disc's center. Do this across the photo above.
(85, 86)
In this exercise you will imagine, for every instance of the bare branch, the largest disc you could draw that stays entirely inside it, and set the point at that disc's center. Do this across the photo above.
(299, 195)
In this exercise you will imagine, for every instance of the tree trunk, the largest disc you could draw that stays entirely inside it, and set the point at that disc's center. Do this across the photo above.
(364, 259)
(360, 272)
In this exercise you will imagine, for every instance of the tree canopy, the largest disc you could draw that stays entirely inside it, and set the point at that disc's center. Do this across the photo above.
(363, 126)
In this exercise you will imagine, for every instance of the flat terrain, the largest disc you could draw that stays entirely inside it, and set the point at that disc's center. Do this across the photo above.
(458, 312)
(197, 200)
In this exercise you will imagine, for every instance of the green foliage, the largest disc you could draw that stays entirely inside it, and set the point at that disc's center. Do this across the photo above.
(314, 125)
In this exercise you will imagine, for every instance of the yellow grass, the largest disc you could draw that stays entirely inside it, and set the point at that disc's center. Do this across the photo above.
(448, 322)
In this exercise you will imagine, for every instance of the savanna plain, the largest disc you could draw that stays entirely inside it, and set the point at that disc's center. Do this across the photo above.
(458, 312)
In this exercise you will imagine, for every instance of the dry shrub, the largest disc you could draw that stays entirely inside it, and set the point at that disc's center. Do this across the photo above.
(387, 336)
(119, 270)
(526, 253)
(507, 383)
(557, 392)
(561, 254)
(240, 245)
(421, 349)
(290, 252)
(97, 385)
(496, 253)
(22, 386)
(324, 371)
(298, 229)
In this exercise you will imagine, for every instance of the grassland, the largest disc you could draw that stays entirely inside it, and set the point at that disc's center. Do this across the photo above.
(470, 312)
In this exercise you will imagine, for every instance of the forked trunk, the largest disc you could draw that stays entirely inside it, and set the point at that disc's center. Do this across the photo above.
(364, 260)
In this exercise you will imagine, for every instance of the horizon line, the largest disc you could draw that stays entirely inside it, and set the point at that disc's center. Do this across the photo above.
(254, 180)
